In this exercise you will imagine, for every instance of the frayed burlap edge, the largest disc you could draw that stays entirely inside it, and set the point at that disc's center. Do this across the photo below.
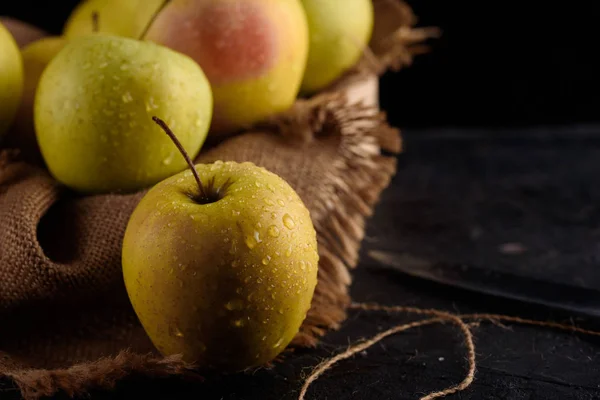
(356, 183)
(103, 373)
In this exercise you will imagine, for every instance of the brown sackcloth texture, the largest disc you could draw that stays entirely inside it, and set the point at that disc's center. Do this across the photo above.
(66, 323)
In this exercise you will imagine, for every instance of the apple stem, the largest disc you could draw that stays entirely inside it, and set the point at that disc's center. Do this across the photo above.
(149, 25)
(95, 22)
(184, 153)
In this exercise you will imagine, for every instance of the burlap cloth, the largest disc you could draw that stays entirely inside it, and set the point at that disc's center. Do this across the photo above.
(66, 323)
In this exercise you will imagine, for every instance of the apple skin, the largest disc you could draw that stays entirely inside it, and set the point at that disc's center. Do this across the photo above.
(252, 51)
(339, 30)
(36, 57)
(226, 284)
(93, 111)
(127, 18)
(11, 79)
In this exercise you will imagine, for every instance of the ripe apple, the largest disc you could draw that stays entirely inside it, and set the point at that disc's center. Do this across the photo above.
(11, 79)
(93, 106)
(339, 31)
(36, 56)
(223, 275)
(127, 18)
(252, 51)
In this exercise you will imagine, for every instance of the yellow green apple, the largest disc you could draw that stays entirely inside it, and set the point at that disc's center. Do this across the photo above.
(93, 110)
(252, 51)
(11, 79)
(128, 18)
(36, 56)
(224, 279)
(339, 31)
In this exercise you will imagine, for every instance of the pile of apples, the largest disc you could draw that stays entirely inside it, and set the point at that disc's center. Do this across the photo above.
(220, 261)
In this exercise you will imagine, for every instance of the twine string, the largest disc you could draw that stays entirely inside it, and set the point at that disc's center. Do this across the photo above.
(438, 316)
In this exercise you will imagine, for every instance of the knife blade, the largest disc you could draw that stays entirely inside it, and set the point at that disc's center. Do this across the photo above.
(572, 299)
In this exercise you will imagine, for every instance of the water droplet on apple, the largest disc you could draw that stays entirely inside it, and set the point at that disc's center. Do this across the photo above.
(273, 215)
(171, 271)
(175, 331)
(253, 240)
(264, 338)
(250, 242)
(250, 296)
(238, 323)
(270, 187)
(269, 201)
(302, 265)
(127, 98)
(280, 311)
(288, 221)
(235, 263)
(150, 105)
(273, 296)
(169, 159)
(279, 342)
(235, 304)
(266, 260)
(273, 231)
(258, 184)
(182, 266)
(288, 252)
(239, 290)
(281, 202)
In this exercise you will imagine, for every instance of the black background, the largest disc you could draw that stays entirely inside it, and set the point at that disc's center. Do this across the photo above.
(498, 63)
